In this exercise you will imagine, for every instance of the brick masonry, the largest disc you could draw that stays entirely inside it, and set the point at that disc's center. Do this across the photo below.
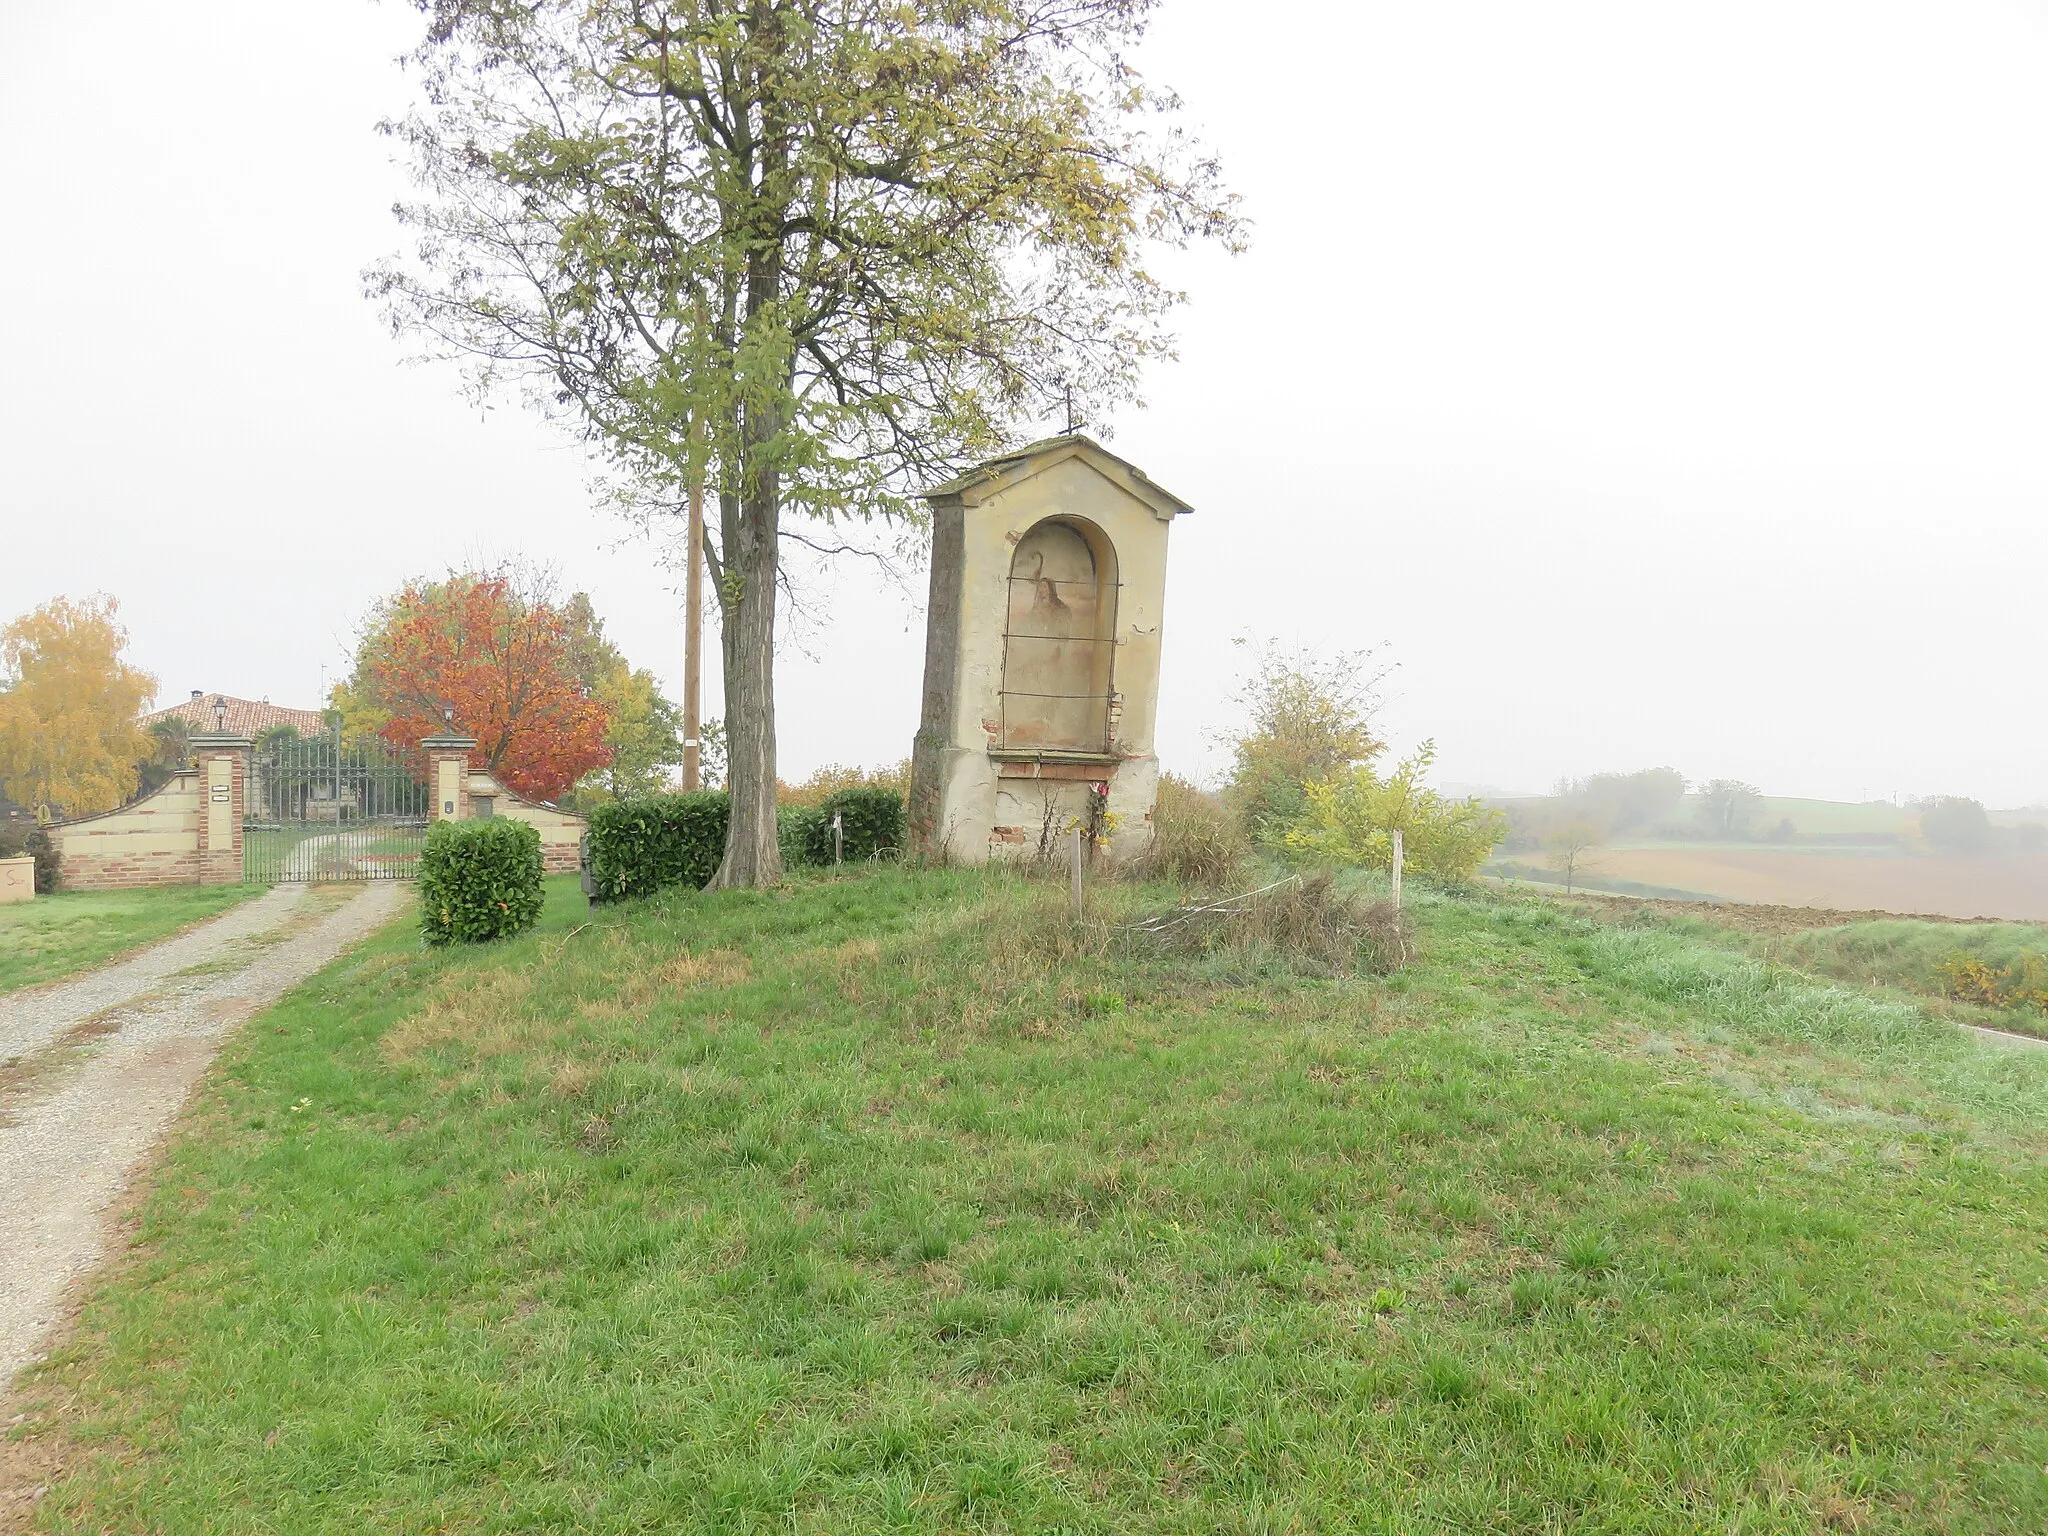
(223, 764)
(448, 775)
(152, 842)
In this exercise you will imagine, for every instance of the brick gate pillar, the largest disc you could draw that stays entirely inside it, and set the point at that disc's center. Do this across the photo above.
(223, 781)
(448, 775)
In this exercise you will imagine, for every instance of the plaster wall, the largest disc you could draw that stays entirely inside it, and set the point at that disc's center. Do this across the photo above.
(972, 805)
(17, 879)
(448, 772)
(221, 815)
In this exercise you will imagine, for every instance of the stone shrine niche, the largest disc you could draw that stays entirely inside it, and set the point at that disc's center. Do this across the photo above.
(1042, 645)
(1059, 641)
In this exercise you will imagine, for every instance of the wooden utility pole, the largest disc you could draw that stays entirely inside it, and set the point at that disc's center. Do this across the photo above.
(693, 639)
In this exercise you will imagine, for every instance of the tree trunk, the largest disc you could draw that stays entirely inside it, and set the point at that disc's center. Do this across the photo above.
(752, 530)
(751, 515)
(753, 851)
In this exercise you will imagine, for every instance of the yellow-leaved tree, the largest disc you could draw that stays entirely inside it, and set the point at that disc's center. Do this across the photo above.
(69, 741)
(1351, 818)
(1307, 718)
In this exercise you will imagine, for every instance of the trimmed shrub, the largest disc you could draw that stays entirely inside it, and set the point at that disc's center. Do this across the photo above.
(479, 880)
(871, 819)
(797, 828)
(17, 839)
(648, 842)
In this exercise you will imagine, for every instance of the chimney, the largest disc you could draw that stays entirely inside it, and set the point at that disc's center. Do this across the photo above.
(197, 692)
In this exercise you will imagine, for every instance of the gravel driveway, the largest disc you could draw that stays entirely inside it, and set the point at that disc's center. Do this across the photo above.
(96, 1069)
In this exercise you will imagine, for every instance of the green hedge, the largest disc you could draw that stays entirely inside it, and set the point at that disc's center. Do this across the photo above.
(872, 821)
(641, 844)
(479, 880)
(796, 827)
(647, 842)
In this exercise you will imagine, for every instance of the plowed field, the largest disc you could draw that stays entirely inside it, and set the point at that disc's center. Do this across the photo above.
(2014, 887)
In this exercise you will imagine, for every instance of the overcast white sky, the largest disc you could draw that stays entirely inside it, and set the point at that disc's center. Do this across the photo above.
(1663, 383)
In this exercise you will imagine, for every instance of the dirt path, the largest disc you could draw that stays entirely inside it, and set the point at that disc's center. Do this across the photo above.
(98, 1067)
(30, 1019)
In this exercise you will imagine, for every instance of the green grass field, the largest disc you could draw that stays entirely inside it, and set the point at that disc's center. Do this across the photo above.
(71, 931)
(885, 1203)
(1835, 817)
(1911, 953)
(1902, 953)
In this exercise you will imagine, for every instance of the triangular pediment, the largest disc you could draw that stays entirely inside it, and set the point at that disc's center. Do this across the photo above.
(997, 475)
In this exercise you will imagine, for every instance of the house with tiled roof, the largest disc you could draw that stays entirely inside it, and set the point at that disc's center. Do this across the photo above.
(242, 717)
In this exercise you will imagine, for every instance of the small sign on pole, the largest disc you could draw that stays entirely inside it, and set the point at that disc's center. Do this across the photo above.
(1397, 869)
(838, 838)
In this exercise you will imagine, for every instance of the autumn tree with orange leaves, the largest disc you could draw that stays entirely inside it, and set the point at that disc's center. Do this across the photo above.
(497, 648)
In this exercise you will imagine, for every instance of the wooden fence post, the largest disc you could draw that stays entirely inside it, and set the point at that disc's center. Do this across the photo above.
(1074, 868)
(838, 838)
(1397, 869)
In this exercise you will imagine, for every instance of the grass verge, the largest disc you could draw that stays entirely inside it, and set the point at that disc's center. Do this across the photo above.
(1917, 955)
(893, 1203)
(71, 931)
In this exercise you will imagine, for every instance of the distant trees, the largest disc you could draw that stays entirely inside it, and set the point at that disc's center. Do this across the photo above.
(1956, 824)
(1610, 804)
(1622, 802)
(2027, 837)
(1728, 807)
(69, 741)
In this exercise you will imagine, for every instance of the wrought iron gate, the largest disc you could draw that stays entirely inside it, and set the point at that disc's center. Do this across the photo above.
(321, 808)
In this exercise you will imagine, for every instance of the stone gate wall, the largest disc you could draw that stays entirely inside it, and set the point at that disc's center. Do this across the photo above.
(561, 832)
(155, 841)
(189, 832)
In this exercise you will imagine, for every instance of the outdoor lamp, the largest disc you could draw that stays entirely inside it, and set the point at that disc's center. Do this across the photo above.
(220, 715)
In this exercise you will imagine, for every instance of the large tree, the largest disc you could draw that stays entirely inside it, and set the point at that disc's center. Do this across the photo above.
(813, 251)
(69, 741)
(496, 650)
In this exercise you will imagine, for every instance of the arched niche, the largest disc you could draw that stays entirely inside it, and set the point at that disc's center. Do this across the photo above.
(1059, 640)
